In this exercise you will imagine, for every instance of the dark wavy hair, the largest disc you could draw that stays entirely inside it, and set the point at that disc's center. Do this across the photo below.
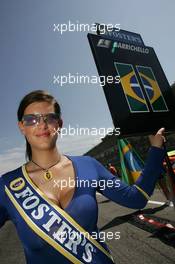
(36, 96)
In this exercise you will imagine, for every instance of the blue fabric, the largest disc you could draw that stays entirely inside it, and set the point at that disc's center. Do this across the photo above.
(83, 206)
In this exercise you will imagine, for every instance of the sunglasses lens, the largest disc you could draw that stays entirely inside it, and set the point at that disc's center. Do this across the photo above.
(30, 120)
(52, 118)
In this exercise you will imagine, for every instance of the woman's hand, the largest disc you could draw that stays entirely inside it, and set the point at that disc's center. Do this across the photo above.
(158, 139)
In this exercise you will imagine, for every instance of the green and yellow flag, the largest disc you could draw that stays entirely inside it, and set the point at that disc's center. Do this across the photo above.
(132, 166)
(131, 162)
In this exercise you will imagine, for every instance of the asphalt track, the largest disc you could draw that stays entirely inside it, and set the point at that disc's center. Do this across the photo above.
(142, 241)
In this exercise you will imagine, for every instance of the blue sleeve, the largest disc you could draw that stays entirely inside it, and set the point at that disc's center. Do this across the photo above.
(130, 196)
(3, 212)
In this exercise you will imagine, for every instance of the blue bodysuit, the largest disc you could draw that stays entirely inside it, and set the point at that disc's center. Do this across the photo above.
(26, 208)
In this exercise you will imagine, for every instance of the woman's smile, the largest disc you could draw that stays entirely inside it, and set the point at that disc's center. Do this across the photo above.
(43, 134)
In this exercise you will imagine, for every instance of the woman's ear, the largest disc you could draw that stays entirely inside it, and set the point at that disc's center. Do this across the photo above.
(21, 127)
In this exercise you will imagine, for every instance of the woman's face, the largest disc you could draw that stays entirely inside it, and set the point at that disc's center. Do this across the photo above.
(40, 135)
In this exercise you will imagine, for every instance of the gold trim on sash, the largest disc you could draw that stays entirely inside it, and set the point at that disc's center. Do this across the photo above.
(142, 191)
(39, 232)
(65, 215)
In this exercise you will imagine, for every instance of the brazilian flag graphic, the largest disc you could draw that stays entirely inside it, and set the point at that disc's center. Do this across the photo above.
(152, 89)
(131, 163)
(131, 87)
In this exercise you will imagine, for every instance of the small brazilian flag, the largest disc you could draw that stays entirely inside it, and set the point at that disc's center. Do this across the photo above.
(131, 162)
(132, 166)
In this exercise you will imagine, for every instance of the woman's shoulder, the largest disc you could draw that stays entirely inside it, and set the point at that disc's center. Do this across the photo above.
(83, 158)
(87, 162)
(9, 175)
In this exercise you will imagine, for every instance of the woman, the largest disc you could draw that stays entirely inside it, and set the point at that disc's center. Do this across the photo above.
(55, 220)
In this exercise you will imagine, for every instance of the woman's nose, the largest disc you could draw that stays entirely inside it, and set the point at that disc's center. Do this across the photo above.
(42, 121)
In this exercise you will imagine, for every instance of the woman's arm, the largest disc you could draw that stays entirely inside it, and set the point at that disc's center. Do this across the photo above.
(3, 212)
(134, 196)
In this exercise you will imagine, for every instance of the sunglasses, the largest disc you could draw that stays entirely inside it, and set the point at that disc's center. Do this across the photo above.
(35, 119)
